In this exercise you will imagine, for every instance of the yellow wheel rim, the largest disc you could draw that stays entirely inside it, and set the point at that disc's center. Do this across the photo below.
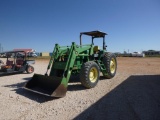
(113, 65)
(93, 74)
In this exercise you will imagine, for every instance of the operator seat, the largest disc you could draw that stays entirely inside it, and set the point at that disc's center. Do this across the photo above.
(96, 49)
(19, 63)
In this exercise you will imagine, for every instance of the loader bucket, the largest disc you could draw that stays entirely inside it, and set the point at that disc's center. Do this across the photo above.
(46, 85)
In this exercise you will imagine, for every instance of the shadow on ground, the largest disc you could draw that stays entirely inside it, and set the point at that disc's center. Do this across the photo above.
(2, 74)
(27, 78)
(78, 86)
(137, 98)
(18, 88)
(76, 78)
(75, 83)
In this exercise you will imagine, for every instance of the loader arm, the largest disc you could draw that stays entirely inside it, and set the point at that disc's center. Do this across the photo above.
(67, 66)
(56, 85)
(56, 53)
(52, 58)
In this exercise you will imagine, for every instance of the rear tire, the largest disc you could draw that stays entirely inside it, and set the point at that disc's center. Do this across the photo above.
(89, 74)
(110, 62)
(30, 69)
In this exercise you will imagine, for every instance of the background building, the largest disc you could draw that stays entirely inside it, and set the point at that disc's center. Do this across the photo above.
(151, 52)
(44, 54)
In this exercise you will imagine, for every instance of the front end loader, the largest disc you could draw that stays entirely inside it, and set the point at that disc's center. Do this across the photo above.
(86, 60)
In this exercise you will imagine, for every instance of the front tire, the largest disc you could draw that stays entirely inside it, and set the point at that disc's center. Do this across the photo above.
(89, 74)
(110, 63)
(30, 69)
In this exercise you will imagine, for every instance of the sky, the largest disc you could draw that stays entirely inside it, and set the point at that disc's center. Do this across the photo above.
(131, 25)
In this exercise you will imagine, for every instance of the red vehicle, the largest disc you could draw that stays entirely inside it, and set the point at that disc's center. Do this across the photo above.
(16, 62)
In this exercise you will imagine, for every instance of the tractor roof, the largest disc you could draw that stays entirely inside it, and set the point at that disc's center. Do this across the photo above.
(94, 33)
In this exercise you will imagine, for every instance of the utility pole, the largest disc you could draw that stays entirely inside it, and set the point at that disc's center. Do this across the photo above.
(0, 47)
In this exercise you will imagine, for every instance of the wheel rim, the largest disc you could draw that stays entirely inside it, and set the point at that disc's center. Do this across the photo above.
(30, 69)
(93, 74)
(112, 65)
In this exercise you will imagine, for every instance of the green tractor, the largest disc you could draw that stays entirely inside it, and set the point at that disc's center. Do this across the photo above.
(86, 60)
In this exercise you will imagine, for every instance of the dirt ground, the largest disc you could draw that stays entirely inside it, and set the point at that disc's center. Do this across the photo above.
(133, 94)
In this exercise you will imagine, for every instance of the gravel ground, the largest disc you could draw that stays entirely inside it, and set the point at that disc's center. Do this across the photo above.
(133, 94)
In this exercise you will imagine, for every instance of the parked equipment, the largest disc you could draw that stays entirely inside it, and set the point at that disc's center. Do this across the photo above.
(86, 60)
(16, 62)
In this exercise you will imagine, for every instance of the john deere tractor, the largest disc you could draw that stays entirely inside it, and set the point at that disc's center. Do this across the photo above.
(86, 60)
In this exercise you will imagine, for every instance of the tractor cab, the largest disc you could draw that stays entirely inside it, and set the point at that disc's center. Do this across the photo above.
(96, 49)
(95, 34)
